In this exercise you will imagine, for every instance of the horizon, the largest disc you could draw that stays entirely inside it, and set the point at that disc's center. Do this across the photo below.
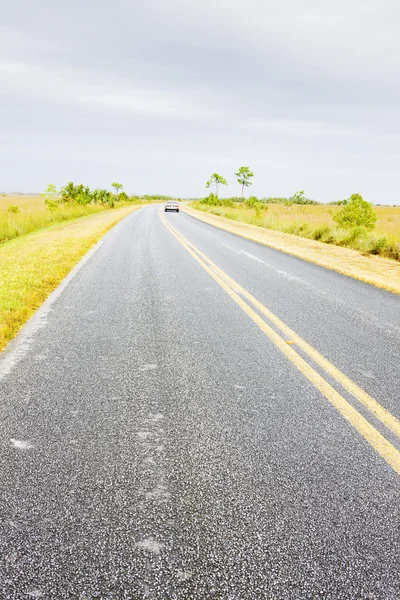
(306, 95)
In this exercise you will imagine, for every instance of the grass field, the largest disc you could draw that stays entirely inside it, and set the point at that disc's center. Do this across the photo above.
(32, 265)
(316, 222)
(31, 213)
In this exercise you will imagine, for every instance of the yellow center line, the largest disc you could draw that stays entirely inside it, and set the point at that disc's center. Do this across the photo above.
(363, 397)
(386, 450)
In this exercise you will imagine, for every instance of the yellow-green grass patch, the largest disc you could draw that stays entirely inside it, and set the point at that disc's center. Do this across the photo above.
(20, 215)
(33, 265)
(316, 222)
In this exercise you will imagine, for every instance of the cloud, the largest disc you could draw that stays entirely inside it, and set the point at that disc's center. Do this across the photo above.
(305, 93)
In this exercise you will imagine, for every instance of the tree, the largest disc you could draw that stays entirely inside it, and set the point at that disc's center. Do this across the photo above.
(356, 213)
(50, 193)
(100, 196)
(68, 192)
(216, 180)
(75, 194)
(243, 176)
(117, 187)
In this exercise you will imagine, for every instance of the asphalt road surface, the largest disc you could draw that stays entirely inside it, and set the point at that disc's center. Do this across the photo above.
(196, 416)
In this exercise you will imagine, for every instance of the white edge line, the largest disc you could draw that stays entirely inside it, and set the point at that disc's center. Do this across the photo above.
(233, 249)
(17, 348)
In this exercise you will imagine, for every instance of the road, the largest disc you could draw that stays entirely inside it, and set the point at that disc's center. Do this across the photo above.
(196, 416)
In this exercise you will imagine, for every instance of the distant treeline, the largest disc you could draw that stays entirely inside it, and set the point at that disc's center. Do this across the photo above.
(72, 193)
(297, 198)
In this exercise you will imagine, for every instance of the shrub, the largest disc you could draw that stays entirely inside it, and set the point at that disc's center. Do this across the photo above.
(123, 197)
(251, 202)
(378, 245)
(321, 232)
(357, 212)
(393, 250)
(52, 204)
(228, 203)
(83, 197)
(299, 198)
(13, 209)
(76, 194)
(211, 200)
(51, 195)
(297, 228)
(352, 235)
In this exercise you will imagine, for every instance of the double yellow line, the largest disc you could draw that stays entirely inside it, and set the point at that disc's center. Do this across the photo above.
(244, 299)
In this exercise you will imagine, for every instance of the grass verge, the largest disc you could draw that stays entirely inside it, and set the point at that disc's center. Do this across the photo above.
(20, 215)
(381, 272)
(316, 223)
(32, 266)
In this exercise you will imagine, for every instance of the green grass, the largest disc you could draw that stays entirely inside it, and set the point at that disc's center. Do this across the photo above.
(20, 215)
(316, 223)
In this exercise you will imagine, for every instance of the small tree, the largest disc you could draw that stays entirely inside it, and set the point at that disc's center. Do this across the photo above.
(68, 192)
(243, 176)
(356, 213)
(76, 194)
(117, 187)
(50, 194)
(216, 180)
(101, 196)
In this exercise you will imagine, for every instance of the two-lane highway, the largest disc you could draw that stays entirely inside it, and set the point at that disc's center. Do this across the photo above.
(197, 416)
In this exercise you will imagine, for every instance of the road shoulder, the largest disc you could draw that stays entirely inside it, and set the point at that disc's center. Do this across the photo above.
(380, 272)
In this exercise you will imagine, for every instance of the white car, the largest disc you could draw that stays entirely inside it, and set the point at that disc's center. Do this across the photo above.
(171, 205)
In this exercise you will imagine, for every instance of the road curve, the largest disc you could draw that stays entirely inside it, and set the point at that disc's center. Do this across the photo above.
(197, 416)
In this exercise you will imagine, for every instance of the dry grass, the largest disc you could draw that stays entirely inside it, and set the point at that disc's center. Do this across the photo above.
(316, 222)
(33, 265)
(378, 271)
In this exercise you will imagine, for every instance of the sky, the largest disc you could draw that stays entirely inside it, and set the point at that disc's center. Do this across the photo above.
(159, 94)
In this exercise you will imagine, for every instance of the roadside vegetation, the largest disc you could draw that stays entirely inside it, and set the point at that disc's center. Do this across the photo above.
(20, 215)
(353, 222)
(43, 237)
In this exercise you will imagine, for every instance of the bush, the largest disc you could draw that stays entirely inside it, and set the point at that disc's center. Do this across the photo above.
(299, 198)
(379, 245)
(52, 204)
(211, 200)
(228, 203)
(76, 194)
(321, 232)
(392, 250)
(251, 202)
(352, 235)
(123, 197)
(297, 229)
(356, 213)
(13, 209)
(83, 198)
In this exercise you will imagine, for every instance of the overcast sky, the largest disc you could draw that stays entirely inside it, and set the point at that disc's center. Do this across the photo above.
(158, 94)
